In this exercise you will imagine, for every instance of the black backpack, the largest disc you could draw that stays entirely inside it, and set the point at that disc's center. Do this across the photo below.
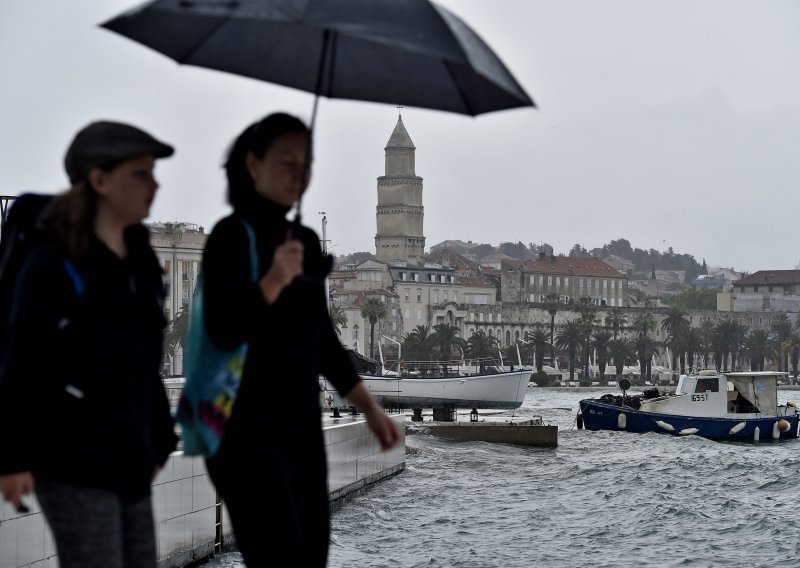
(22, 232)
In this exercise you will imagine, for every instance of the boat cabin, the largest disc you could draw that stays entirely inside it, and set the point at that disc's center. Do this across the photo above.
(714, 394)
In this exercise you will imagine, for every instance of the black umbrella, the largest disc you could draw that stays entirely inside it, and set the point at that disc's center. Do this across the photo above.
(403, 52)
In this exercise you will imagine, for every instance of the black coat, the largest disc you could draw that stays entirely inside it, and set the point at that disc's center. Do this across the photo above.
(272, 456)
(82, 399)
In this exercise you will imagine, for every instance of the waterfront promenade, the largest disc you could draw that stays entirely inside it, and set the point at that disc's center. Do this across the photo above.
(191, 523)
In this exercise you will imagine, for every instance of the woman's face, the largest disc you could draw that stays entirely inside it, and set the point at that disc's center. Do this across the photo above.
(128, 190)
(283, 173)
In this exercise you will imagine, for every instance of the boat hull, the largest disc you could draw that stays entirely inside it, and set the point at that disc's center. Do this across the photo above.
(601, 416)
(491, 391)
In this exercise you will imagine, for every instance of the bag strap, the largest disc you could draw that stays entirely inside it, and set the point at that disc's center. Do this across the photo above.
(251, 235)
(75, 276)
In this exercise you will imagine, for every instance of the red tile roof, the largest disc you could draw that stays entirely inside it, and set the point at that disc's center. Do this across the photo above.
(767, 277)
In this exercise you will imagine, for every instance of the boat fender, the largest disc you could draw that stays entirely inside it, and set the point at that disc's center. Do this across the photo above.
(622, 421)
(665, 426)
(688, 431)
(738, 428)
(783, 425)
(756, 434)
(776, 433)
(579, 420)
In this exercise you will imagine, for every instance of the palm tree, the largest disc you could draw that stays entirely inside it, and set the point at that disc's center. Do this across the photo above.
(781, 327)
(176, 336)
(792, 346)
(644, 322)
(622, 352)
(675, 326)
(600, 343)
(537, 340)
(552, 304)
(446, 338)
(646, 348)
(756, 348)
(570, 338)
(339, 318)
(373, 311)
(693, 344)
(418, 344)
(616, 320)
(706, 331)
(480, 346)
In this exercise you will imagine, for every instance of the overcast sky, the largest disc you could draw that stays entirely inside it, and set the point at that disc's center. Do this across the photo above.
(670, 123)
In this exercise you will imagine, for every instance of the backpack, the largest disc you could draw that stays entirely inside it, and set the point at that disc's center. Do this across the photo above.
(22, 232)
(212, 376)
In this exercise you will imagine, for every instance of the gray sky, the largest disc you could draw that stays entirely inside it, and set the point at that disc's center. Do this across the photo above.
(671, 123)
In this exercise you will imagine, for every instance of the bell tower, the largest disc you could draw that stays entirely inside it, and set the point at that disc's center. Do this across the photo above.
(400, 212)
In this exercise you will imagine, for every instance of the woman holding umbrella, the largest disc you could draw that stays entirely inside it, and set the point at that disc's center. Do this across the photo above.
(283, 317)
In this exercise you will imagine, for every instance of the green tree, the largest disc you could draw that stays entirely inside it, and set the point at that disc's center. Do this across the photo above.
(374, 310)
(552, 304)
(570, 338)
(781, 328)
(418, 344)
(622, 352)
(446, 338)
(600, 341)
(756, 348)
(481, 346)
(339, 318)
(176, 334)
(538, 342)
(616, 320)
(694, 298)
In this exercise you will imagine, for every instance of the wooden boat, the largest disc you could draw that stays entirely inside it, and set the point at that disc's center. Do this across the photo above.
(720, 406)
(484, 384)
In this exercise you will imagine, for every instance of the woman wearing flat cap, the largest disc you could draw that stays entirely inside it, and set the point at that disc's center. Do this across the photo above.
(85, 415)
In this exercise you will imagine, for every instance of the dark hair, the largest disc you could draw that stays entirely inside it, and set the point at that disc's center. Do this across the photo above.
(256, 138)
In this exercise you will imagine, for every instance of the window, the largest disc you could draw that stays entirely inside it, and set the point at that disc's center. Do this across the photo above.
(416, 277)
(435, 296)
(407, 292)
(355, 331)
(406, 313)
(445, 297)
(167, 312)
(707, 385)
(549, 280)
(769, 289)
(755, 288)
(403, 276)
(419, 296)
(419, 314)
(168, 266)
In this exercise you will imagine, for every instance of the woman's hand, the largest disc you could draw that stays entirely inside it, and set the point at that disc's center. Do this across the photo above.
(384, 428)
(287, 264)
(14, 486)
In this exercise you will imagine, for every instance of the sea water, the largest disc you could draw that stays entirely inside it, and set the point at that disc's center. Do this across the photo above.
(600, 499)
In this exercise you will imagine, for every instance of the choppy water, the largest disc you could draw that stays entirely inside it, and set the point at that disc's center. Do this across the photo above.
(601, 499)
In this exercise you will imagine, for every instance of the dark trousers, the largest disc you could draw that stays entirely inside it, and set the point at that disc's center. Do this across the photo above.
(263, 484)
(94, 528)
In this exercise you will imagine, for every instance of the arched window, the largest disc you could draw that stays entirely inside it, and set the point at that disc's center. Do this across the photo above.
(508, 338)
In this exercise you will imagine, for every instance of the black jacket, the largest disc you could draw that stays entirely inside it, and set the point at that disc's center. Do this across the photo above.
(82, 400)
(292, 341)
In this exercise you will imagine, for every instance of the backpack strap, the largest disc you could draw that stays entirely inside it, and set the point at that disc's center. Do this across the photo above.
(74, 275)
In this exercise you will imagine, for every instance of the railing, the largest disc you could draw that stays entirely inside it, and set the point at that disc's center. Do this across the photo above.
(454, 368)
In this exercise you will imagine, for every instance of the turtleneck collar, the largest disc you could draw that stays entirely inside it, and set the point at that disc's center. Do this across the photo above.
(259, 209)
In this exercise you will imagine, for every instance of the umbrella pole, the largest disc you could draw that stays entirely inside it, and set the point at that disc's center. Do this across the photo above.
(326, 39)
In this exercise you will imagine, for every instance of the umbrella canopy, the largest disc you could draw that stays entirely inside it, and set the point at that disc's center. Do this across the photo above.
(403, 52)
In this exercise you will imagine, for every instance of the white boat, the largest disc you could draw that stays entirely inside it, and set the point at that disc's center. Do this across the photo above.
(481, 384)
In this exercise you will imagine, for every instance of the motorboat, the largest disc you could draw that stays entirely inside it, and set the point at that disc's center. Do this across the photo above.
(711, 404)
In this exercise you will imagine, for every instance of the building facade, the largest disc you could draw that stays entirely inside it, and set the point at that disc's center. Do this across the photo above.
(767, 291)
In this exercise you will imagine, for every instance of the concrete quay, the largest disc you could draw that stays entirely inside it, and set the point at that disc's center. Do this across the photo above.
(191, 521)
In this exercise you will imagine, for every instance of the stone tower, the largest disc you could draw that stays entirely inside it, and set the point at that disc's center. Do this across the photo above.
(400, 212)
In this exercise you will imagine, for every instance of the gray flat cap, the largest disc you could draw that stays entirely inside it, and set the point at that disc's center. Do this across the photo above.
(105, 142)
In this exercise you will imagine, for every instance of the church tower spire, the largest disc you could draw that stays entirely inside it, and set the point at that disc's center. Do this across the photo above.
(400, 212)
